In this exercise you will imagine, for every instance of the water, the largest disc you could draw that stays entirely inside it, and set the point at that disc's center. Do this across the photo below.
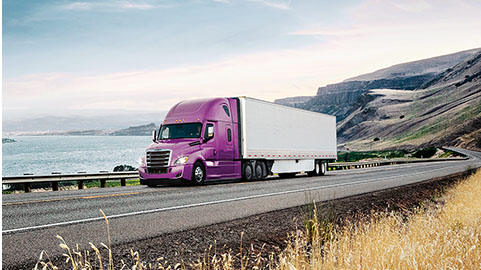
(71, 154)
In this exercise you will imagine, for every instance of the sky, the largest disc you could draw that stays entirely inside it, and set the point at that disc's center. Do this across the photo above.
(93, 57)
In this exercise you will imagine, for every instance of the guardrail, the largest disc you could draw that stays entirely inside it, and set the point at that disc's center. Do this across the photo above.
(26, 180)
(54, 178)
(375, 163)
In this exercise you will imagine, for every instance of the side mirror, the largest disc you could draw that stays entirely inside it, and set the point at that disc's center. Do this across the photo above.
(154, 135)
(209, 133)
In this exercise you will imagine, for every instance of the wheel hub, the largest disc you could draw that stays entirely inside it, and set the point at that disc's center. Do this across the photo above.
(199, 174)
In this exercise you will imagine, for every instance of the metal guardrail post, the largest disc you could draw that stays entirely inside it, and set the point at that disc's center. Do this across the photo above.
(103, 183)
(26, 187)
(55, 183)
(123, 182)
(80, 184)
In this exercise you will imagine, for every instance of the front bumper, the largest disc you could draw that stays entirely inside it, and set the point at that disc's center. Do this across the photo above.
(174, 173)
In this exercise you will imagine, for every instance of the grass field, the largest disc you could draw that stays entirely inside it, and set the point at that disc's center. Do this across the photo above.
(446, 235)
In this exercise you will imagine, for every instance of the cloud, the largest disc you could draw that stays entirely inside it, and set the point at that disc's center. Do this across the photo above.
(115, 4)
(372, 35)
(273, 4)
(283, 5)
(402, 21)
(223, 1)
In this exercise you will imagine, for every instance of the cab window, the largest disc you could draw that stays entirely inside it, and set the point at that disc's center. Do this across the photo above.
(226, 110)
(229, 135)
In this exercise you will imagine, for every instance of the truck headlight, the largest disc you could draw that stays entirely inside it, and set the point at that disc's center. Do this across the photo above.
(141, 161)
(181, 160)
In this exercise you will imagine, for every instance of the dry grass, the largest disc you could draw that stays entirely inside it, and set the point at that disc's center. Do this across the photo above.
(446, 235)
(442, 237)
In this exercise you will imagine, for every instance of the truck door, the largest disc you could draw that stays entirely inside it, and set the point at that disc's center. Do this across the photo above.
(229, 143)
(209, 147)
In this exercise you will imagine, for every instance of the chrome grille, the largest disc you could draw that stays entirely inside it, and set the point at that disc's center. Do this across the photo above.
(158, 161)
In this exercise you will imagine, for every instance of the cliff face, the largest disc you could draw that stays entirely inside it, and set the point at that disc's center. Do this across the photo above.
(415, 103)
(447, 111)
(338, 99)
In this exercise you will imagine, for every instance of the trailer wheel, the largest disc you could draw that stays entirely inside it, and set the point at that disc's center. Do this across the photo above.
(317, 169)
(247, 171)
(198, 174)
(323, 168)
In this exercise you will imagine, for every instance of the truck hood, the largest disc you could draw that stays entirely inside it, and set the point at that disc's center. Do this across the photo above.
(179, 147)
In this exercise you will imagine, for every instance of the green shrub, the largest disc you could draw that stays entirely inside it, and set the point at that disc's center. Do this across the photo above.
(425, 153)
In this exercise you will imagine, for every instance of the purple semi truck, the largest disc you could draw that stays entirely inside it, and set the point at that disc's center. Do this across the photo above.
(228, 138)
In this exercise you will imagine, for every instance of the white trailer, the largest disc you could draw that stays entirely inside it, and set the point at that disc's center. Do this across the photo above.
(291, 140)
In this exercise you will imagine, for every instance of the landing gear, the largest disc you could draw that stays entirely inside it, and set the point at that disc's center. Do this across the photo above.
(287, 175)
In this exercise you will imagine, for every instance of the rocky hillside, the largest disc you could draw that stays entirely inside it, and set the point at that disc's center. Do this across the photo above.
(442, 108)
(433, 65)
(339, 99)
(447, 111)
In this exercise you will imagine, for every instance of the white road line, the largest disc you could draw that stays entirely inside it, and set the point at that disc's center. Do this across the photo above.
(215, 202)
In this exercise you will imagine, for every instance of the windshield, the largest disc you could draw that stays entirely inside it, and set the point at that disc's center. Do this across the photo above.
(177, 131)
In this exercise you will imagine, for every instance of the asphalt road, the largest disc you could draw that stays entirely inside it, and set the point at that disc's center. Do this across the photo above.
(31, 221)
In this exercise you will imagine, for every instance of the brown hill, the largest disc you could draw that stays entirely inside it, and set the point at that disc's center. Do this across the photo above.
(446, 112)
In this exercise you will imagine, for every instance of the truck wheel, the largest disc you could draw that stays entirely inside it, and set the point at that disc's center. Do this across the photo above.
(323, 168)
(265, 171)
(260, 171)
(198, 174)
(317, 169)
(247, 171)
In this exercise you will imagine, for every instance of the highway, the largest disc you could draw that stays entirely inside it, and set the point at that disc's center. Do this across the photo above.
(31, 221)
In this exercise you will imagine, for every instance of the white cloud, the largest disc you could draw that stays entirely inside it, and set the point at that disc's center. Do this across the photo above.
(274, 4)
(223, 1)
(114, 4)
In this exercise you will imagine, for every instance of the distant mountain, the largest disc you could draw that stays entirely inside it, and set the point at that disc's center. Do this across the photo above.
(447, 111)
(339, 99)
(143, 130)
(433, 65)
(434, 101)
(69, 123)
(293, 101)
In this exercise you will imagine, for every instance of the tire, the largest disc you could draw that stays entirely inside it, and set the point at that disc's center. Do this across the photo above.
(247, 172)
(323, 168)
(265, 170)
(260, 170)
(317, 169)
(151, 185)
(198, 174)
